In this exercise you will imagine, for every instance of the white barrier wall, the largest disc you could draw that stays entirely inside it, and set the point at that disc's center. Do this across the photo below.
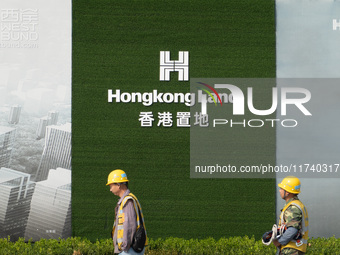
(308, 40)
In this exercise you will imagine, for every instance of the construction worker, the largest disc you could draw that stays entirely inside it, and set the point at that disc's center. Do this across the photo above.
(293, 219)
(129, 218)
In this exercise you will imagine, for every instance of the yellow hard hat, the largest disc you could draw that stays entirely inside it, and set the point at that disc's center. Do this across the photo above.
(291, 184)
(117, 176)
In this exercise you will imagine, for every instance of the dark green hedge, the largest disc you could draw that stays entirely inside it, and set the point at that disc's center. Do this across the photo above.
(172, 245)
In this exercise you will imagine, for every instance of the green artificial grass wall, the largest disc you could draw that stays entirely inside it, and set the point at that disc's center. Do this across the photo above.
(116, 45)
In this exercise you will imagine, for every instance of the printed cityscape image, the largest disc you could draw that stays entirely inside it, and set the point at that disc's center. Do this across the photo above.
(35, 169)
(35, 121)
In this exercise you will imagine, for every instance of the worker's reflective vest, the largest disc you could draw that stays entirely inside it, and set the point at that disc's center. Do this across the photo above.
(120, 224)
(300, 244)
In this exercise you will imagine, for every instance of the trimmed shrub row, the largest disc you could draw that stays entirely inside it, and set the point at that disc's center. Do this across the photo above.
(168, 246)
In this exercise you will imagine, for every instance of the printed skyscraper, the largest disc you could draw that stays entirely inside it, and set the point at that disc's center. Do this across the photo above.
(14, 114)
(53, 116)
(16, 192)
(7, 136)
(41, 129)
(51, 119)
(57, 150)
(50, 214)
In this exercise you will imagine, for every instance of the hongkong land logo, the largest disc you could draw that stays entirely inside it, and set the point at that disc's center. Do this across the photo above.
(232, 97)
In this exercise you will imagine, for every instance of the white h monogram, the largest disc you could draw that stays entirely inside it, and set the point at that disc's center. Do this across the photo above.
(181, 66)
